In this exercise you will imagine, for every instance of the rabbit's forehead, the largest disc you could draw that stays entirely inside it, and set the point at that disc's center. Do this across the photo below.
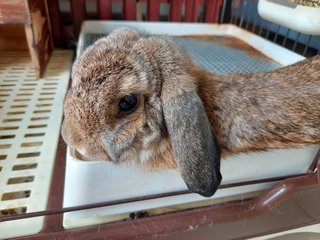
(103, 83)
(136, 83)
(97, 80)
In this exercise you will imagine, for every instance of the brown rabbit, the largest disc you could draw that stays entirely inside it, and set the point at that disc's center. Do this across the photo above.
(139, 97)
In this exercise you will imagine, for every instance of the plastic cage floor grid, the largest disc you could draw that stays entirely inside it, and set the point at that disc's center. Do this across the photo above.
(214, 56)
(30, 119)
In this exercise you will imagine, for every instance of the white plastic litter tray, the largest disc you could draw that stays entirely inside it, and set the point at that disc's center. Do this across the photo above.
(98, 181)
(300, 18)
(30, 119)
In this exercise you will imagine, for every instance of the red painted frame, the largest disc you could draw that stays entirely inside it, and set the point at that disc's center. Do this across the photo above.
(61, 34)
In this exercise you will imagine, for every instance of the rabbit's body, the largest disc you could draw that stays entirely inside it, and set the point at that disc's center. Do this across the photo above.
(140, 97)
(260, 111)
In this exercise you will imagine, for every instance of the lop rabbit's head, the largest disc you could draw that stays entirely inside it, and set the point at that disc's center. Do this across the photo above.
(132, 99)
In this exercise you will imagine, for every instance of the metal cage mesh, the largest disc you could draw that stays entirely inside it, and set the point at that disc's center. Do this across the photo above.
(215, 56)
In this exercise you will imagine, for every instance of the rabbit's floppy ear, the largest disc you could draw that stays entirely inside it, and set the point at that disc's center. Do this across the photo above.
(193, 140)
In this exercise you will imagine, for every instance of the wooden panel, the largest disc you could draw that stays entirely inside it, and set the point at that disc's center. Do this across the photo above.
(105, 9)
(38, 35)
(129, 9)
(153, 8)
(13, 37)
(175, 10)
(13, 11)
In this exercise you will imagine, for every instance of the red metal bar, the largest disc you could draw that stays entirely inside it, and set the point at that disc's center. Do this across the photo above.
(175, 10)
(217, 11)
(153, 8)
(291, 203)
(57, 188)
(210, 8)
(129, 9)
(60, 210)
(105, 9)
(189, 9)
(78, 8)
(55, 22)
(195, 10)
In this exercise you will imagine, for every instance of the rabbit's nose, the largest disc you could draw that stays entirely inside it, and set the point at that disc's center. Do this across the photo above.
(80, 153)
(70, 135)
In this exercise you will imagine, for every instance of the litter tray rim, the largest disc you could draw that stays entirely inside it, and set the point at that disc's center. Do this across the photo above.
(268, 48)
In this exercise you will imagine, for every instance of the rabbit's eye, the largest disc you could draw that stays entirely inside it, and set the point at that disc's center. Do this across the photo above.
(128, 103)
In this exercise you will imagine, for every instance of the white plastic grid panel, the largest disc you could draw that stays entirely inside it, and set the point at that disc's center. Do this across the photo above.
(30, 118)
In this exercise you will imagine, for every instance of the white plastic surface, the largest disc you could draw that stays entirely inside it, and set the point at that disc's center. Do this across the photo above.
(296, 17)
(30, 117)
(97, 181)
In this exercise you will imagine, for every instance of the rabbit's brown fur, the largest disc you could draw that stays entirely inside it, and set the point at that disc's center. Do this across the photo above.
(260, 111)
(169, 127)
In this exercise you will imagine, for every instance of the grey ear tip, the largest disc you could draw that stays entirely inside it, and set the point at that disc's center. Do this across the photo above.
(209, 190)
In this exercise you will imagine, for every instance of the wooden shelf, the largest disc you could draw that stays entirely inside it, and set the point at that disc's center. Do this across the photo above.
(32, 14)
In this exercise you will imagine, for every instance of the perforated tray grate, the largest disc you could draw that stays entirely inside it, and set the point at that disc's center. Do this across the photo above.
(30, 118)
(222, 59)
(217, 56)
